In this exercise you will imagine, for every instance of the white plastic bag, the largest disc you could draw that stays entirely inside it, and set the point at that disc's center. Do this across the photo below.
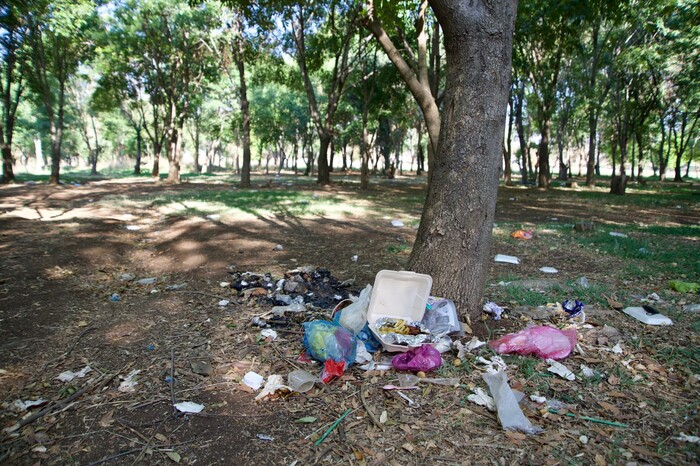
(354, 317)
(509, 413)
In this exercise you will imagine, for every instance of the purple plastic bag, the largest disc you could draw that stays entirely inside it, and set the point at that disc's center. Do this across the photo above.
(424, 358)
(542, 341)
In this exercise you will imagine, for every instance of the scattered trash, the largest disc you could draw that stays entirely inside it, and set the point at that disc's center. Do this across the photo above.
(332, 370)
(482, 398)
(424, 358)
(572, 308)
(267, 438)
(583, 282)
(684, 287)
(522, 234)
(214, 217)
(354, 316)
(354, 258)
(538, 399)
(397, 307)
(129, 383)
(687, 438)
(542, 341)
(253, 380)
(133, 227)
(397, 223)
(583, 439)
(225, 284)
(461, 348)
(147, 281)
(411, 403)
(274, 388)
(492, 365)
(653, 297)
(188, 407)
(325, 340)
(67, 376)
(510, 415)
(692, 308)
(506, 259)
(301, 381)
(644, 315)
(278, 247)
(114, 297)
(617, 349)
(618, 234)
(127, 277)
(588, 372)
(20, 405)
(560, 369)
(548, 270)
(293, 307)
(334, 425)
(494, 309)
(441, 317)
(175, 287)
(362, 356)
(268, 334)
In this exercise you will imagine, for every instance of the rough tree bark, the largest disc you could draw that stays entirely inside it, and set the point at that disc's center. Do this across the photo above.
(454, 238)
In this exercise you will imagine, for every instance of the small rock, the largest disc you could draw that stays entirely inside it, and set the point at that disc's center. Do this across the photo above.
(147, 281)
(127, 277)
(201, 367)
(279, 247)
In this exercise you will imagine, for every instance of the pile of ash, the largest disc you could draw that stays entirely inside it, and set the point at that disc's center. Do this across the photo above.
(315, 287)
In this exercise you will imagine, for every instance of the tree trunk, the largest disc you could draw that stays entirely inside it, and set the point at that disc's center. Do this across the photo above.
(507, 171)
(173, 157)
(543, 154)
(245, 105)
(453, 243)
(137, 166)
(520, 130)
(8, 174)
(56, 138)
(324, 173)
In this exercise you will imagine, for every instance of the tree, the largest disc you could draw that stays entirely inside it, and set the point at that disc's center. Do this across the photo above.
(453, 243)
(58, 41)
(13, 31)
(335, 35)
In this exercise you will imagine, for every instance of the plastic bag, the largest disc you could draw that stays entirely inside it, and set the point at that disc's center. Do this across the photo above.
(332, 370)
(541, 341)
(510, 415)
(354, 317)
(424, 358)
(325, 340)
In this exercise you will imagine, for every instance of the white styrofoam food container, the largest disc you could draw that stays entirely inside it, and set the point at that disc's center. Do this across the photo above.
(400, 295)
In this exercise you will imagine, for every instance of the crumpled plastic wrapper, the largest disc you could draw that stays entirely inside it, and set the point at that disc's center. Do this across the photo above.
(405, 340)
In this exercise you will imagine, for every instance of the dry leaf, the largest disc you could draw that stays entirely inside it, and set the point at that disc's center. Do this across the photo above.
(408, 447)
(383, 417)
(173, 455)
(614, 410)
(516, 437)
(612, 380)
(644, 451)
(161, 438)
(107, 420)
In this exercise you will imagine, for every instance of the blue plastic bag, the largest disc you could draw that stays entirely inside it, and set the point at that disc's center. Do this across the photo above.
(325, 340)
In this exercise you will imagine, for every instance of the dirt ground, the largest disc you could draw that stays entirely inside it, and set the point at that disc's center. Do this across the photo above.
(64, 253)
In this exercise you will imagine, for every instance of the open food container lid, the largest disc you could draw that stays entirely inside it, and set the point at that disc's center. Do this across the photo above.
(400, 295)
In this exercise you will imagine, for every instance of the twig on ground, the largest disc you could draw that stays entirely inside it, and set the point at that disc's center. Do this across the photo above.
(200, 293)
(369, 412)
(86, 389)
(172, 380)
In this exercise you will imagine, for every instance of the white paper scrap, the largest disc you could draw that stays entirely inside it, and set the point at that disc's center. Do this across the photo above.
(188, 407)
(253, 380)
(506, 259)
(560, 369)
(482, 398)
(67, 376)
(549, 270)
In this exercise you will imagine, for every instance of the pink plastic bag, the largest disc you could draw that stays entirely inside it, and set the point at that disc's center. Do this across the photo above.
(544, 342)
(425, 358)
